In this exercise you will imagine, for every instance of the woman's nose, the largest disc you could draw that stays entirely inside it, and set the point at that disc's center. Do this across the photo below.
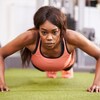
(49, 37)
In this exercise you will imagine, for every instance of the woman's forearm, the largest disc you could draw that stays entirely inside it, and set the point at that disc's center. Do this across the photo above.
(97, 73)
(2, 69)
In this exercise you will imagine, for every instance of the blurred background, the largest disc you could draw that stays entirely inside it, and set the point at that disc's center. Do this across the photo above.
(83, 15)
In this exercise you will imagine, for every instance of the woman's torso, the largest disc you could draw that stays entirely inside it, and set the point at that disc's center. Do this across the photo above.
(46, 63)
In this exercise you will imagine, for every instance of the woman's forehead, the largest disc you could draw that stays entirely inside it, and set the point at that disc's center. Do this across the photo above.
(48, 25)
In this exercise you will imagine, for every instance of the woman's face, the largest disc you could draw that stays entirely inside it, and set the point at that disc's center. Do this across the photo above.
(49, 34)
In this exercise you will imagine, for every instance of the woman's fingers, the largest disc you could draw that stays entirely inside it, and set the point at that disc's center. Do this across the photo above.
(5, 88)
(94, 88)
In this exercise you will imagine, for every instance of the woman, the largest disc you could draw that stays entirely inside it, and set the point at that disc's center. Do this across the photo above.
(50, 44)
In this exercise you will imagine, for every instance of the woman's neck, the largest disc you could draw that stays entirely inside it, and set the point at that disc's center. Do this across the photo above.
(55, 52)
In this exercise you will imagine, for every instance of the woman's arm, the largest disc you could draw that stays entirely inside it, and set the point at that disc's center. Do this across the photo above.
(79, 41)
(18, 43)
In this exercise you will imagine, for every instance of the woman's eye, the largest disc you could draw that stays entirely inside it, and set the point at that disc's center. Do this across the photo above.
(44, 33)
(55, 32)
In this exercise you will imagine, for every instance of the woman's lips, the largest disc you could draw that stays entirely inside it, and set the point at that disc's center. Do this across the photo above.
(49, 44)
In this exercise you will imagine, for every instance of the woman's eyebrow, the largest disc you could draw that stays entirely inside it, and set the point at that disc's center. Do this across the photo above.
(55, 29)
(50, 30)
(43, 29)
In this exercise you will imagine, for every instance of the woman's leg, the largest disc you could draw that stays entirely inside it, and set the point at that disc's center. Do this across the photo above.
(51, 74)
(67, 73)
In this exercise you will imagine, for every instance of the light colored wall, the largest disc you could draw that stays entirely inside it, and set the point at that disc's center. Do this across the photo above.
(91, 20)
(16, 17)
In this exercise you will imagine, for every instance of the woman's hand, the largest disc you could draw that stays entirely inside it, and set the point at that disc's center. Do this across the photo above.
(94, 88)
(96, 84)
(3, 87)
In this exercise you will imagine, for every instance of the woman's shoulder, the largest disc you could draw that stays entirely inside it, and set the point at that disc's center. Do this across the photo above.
(75, 38)
(70, 35)
(70, 38)
(30, 35)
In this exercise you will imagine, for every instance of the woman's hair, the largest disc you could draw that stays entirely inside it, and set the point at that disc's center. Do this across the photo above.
(52, 14)
(26, 54)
